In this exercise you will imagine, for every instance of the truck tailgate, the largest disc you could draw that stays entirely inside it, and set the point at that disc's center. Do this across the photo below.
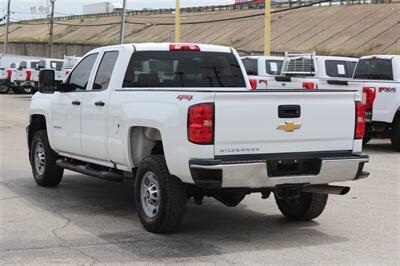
(250, 123)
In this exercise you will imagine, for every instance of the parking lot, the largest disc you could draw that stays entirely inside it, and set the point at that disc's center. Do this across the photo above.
(89, 221)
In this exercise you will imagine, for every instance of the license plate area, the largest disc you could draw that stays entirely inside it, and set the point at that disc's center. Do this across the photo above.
(293, 167)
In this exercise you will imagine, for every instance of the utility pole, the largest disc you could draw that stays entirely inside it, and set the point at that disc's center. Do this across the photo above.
(178, 21)
(122, 29)
(7, 27)
(267, 29)
(51, 28)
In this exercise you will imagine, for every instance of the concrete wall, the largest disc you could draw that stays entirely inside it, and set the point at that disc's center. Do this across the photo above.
(41, 49)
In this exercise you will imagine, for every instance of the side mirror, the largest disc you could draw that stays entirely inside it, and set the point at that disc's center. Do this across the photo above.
(46, 80)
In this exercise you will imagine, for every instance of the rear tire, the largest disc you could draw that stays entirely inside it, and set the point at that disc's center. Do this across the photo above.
(43, 161)
(307, 207)
(4, 89)
(395, 136)
(160, 197)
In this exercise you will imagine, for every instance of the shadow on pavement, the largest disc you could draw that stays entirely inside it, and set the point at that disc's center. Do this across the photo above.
(206, 230)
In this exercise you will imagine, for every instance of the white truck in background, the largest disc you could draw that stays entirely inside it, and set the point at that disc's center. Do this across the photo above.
(306, 71)
(378, 77)
(182, 121)
(48, 63)
(22, 81)
(258, 67)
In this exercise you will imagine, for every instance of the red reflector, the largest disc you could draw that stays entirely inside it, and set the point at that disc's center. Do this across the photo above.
(253, 84)
(201, 123)
(309, 85)
(184, 47)
(369, 94)
(9, 72)
(360, 120)
(28, 75)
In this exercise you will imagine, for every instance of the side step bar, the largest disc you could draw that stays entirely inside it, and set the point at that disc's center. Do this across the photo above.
(87, 170)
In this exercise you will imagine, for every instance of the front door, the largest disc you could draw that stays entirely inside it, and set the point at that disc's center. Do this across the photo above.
(67, 108)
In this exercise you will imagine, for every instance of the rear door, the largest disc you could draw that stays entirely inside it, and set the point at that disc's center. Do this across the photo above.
(95, 109)
(283, 122)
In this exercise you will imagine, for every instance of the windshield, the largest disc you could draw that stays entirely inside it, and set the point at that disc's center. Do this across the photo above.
(251, 66)
(374, 68)
(193, 69)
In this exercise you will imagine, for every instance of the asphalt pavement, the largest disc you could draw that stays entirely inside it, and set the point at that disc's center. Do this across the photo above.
(87, 221)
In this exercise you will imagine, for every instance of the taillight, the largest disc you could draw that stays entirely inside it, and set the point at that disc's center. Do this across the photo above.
(28, 75)
(309, 85)
(201, 123)
(253, 84)
(184, 47)
(369, 94)
(360, 120)
(9, 72)
(66, 72)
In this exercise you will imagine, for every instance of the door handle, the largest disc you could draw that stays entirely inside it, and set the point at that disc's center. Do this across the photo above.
(100, 103)
(76, 103)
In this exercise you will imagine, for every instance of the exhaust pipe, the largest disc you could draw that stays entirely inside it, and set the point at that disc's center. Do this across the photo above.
(326, 189)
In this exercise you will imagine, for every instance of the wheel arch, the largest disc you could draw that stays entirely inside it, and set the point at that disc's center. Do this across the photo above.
(144, 141)
(36, 122)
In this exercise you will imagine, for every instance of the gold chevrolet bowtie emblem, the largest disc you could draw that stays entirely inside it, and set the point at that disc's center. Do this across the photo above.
(289, 126)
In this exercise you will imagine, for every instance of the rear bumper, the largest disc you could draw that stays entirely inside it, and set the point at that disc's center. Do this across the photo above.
(254, 173)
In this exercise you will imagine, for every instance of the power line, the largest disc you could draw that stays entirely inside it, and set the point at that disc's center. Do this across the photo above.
(182, 23)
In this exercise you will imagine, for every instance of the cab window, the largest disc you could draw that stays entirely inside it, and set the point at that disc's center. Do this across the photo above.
(105, 70)
(79, 78)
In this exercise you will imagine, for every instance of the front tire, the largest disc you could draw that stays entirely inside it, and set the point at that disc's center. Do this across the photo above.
(160, 197)
(43, 161)
(307, 207)
(395, 137)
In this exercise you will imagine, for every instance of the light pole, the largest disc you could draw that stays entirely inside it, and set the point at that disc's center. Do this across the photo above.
(122, 29)
(178, 21)
(267, 29)
(51, 28)
(7, 27)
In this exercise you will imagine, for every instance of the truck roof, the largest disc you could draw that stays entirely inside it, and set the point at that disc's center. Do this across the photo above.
(263, 57)
(166, 47)
(380, 56)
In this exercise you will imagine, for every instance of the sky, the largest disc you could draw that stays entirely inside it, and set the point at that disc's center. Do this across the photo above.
(22, 8)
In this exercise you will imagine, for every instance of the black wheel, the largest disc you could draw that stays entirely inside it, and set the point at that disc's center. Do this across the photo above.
(160, 197)
(307, 207)
(4, 89)
(395, 136)
(43, 161)
(27, 90)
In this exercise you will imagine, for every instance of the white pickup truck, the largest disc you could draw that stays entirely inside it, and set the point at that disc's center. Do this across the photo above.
(182, 121)
(23, 74)
(306, 71)
(48, 63)
(378, 77)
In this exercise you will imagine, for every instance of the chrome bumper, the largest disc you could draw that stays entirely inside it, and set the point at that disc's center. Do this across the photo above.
(254, 174)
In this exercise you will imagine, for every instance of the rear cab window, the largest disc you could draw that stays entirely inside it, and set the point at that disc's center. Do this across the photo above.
(251, 66)
(57, 65)
(339, 68)
(374, 68)
(183, 69)
(273, 67)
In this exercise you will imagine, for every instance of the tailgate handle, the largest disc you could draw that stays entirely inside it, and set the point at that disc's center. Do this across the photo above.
(289, 111)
